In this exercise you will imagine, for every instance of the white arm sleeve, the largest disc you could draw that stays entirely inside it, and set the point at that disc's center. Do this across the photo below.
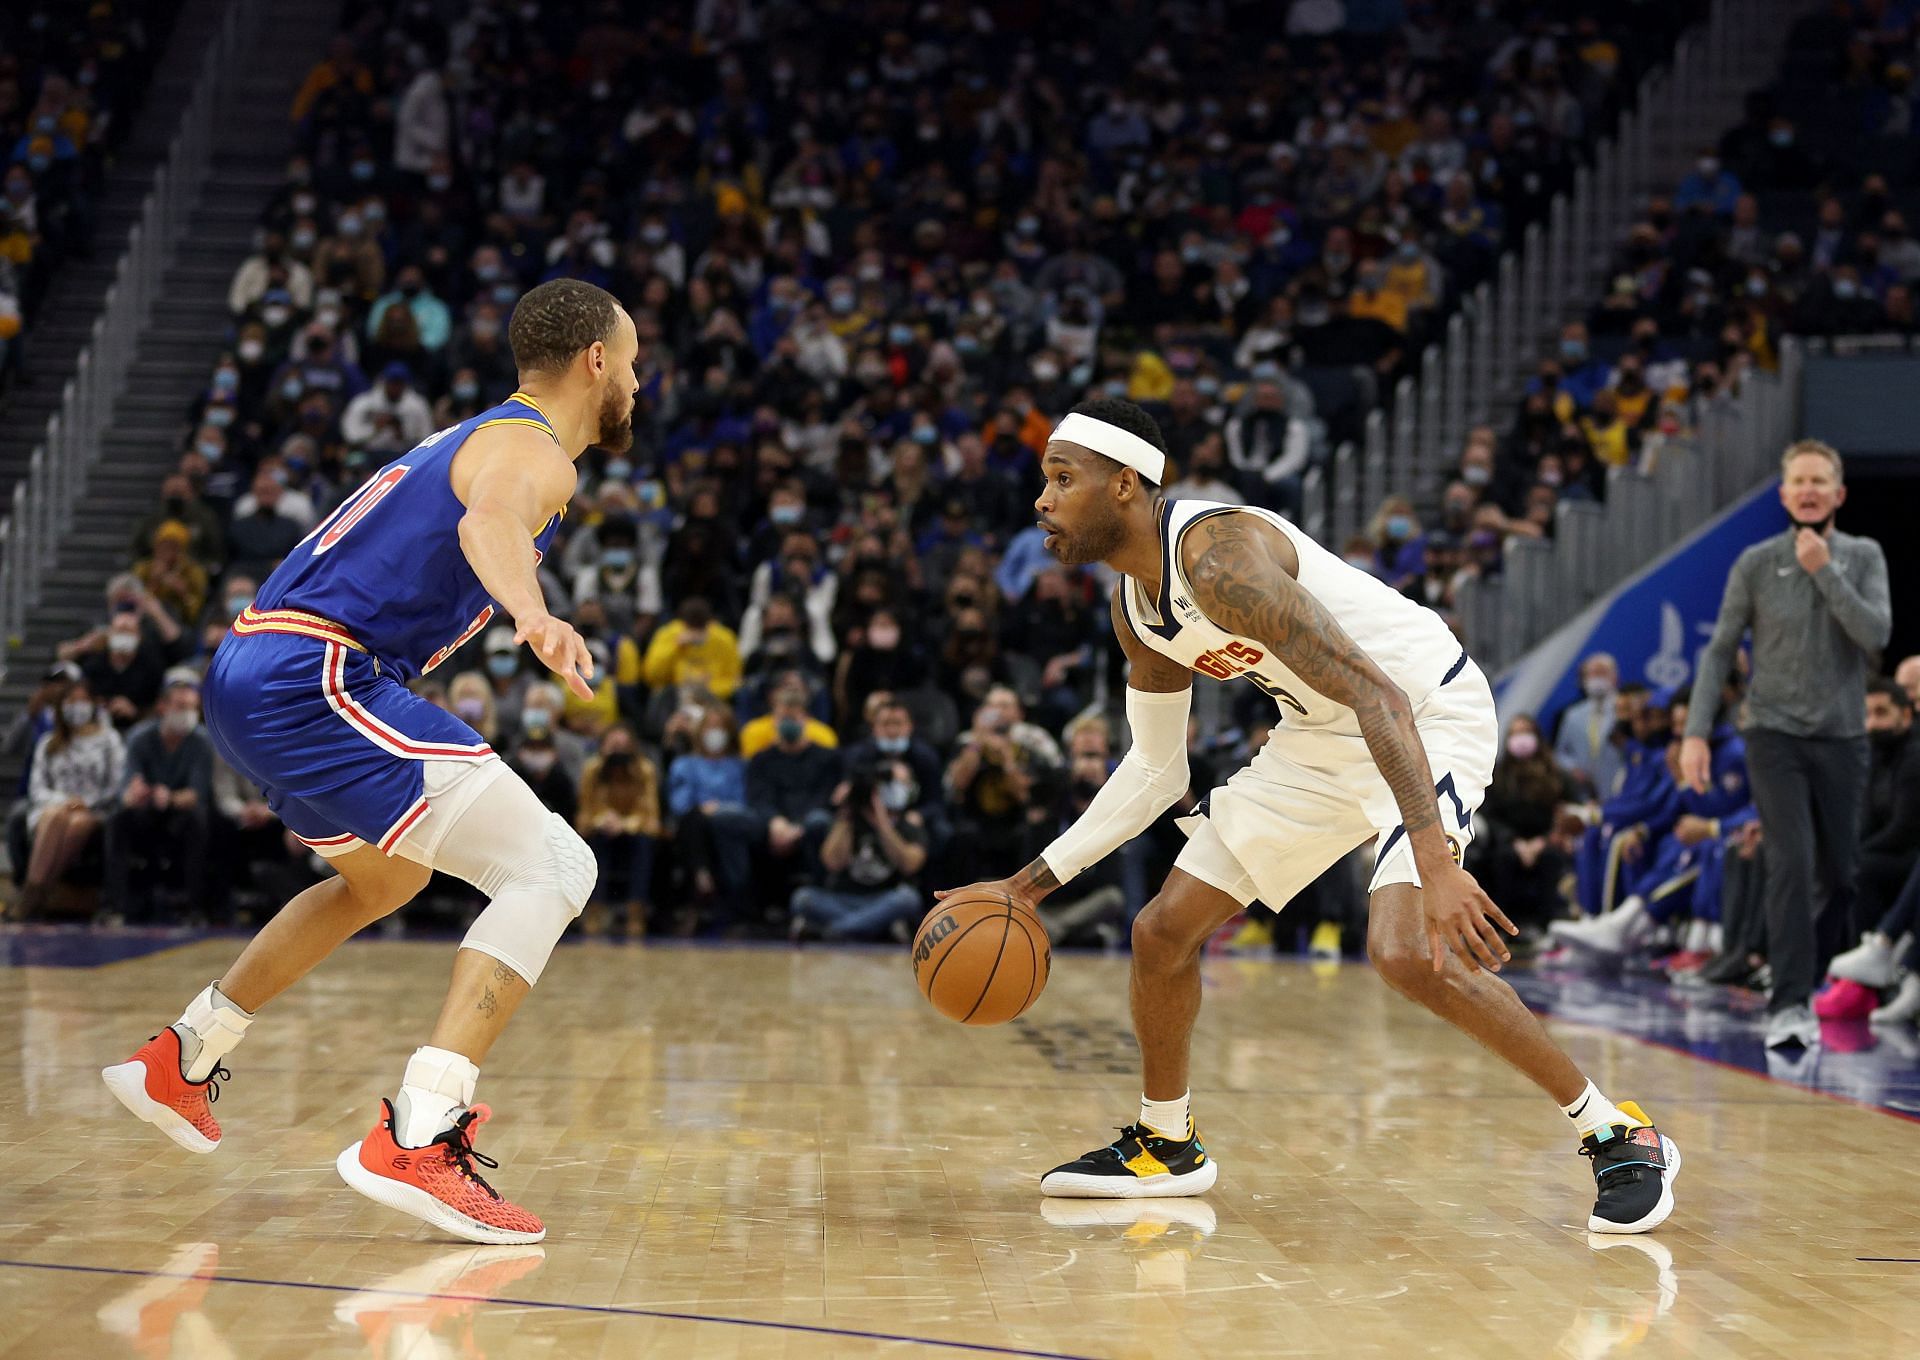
(1148, 780)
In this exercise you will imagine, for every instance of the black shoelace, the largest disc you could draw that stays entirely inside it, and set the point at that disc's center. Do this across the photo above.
(219, 1074)
(459, 1144)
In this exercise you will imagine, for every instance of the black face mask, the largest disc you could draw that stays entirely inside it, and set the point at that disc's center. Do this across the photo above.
(1819, 526)
(1887, 741)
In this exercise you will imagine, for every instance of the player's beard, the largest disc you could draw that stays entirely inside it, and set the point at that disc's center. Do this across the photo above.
(1098, 541)
(616, 428)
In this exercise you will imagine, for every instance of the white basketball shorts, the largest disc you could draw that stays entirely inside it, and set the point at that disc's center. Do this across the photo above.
(1308, 798)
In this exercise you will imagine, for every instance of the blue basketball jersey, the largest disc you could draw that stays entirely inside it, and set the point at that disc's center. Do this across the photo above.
(387, 565)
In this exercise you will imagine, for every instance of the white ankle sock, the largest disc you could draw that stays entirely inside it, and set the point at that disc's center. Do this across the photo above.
(209, 1028)
(436, 1089)
(1591, 1111)
(1168, 1118)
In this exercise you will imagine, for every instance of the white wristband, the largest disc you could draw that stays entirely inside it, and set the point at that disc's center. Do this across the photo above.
(1147, 782)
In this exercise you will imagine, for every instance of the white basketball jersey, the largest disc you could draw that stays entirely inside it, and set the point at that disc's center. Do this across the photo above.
(1406, 640)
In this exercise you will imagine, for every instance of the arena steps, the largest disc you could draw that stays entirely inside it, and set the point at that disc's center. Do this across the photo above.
(188, 328)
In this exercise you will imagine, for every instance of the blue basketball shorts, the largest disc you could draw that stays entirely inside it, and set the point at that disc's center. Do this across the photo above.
(339, 746)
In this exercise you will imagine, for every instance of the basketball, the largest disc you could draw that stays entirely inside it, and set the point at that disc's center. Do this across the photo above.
(981, 959)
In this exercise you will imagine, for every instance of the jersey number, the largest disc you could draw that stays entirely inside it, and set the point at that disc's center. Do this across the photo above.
(356, 507)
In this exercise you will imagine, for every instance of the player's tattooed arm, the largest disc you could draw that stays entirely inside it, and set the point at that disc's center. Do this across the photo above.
(1035, 881)
(1239, 567)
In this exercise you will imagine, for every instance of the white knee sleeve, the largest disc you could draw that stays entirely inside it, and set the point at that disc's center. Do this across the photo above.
(534, 867)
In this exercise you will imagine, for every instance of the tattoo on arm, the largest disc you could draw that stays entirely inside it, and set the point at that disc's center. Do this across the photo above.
(502, 973)
(1036, 879)
(487, 1005)
(1243, 586)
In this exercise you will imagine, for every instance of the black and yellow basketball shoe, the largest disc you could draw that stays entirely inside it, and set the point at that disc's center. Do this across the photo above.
(1139, 1164)
(1633, 1169)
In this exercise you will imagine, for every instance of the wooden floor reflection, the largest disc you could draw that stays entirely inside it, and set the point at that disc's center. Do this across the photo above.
(770, 1153)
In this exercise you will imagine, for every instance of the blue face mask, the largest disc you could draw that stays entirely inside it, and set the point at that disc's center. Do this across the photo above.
(893, 746)
(219, 416)
(225, 380)
(786, 514)
(790, 730)
(503, 664)
(617, 559)
(901, 335)
(619, 470)
(1399, 526)
(925, 435)
(1573, 351)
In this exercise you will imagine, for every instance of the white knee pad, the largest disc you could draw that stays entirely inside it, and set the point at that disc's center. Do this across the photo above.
(534, 867)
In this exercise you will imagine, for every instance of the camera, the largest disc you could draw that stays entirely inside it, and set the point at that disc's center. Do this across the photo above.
(864, 779)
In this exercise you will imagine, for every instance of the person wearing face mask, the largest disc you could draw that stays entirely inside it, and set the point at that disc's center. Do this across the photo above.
(876, 845)
(1521, 855)
(1584, 743)
(180, 503)
(78, 768)
(879, 657)
(126, 672)
(537, 759)
(625, 585)
(619, 816)
(1708, 188)
(542, 710)
(471, 698)
(165, 806)
(1816, 601)
(694, 647)
(252, 279)
(788, 695)
(1399, 545)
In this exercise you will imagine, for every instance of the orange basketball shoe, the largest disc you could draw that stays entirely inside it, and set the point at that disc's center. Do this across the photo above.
(152, 1085)
(437, 1183)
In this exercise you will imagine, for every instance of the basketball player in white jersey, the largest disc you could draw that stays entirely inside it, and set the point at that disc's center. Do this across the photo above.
(1385, 730)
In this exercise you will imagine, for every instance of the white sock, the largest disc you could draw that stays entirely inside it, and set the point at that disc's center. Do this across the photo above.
(209, 1028)
(1168, 1118)
(436, 1090)
(1590, 1111)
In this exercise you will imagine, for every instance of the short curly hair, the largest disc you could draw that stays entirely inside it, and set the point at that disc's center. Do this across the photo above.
(557, 320)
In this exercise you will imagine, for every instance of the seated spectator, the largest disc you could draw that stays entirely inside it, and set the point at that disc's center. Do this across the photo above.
(126, 673)
(619, 815)
(258, 539)
(891, 736)
(78, 768)
(542, 717)
(875, 846)
(1268, 446)
(388, 418)
(165, 808)
(177, 582)
(694, 649)
(470, 697)
(1888, 872)
(273, 262)
(537, 760)
(181, 504)
(1522, 859)
(1588, 746)
(1399, 546)
(991, 783)
(789, 694)
(1623, 827)
(1205, 476)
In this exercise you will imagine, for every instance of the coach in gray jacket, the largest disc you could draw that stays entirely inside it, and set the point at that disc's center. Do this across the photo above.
(1816, 603)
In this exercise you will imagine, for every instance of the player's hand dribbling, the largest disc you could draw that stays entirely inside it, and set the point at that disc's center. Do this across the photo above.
(563, 651)
(1460, 914)
(995, 888)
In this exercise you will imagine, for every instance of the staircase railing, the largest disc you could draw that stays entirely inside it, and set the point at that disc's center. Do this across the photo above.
(1472, 374)
(41, 511)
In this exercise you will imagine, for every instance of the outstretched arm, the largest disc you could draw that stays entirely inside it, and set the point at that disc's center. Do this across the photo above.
(1242, 571)
(1149, 780)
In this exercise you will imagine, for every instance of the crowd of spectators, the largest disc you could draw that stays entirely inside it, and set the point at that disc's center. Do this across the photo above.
(1797, 221)
(872, 252)
(71, 75)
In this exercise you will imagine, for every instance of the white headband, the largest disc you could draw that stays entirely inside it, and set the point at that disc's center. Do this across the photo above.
(1122, 446)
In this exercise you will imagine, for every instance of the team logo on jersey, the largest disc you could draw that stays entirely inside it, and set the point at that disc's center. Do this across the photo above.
(1238, 659)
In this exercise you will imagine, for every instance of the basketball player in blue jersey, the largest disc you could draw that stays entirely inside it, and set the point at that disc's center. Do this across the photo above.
(308, 699)
(1385, 730)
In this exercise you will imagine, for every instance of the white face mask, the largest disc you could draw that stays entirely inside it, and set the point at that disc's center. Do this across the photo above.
(1597, 686)
(713, 741)
(77, 712)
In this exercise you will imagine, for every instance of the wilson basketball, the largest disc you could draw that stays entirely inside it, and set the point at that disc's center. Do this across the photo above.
(981, 959)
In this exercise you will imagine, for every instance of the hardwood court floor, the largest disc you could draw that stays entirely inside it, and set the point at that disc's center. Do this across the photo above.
(774, 1153)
